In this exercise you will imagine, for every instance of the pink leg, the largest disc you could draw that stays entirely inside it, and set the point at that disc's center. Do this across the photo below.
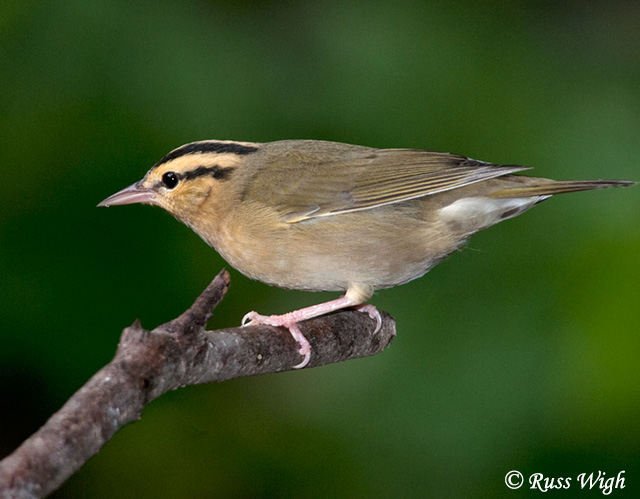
(290, 320)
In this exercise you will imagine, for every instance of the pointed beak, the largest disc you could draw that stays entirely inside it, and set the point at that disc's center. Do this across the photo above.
(130, 195)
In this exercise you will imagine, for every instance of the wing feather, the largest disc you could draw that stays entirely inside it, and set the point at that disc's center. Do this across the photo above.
(363, 178)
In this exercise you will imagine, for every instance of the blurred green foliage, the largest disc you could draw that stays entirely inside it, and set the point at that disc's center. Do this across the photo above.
(520, 352)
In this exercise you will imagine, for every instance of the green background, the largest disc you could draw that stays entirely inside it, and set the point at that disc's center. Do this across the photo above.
(519, 352)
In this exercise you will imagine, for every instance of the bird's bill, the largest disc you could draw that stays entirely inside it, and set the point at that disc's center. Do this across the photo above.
(130, 195)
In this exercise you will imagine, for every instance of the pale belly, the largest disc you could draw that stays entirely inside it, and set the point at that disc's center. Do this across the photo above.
(331, 253)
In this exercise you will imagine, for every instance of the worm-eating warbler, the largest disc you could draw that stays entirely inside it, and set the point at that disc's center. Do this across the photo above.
(325, 216)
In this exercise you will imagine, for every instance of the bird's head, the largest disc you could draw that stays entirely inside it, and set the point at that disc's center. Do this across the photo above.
(188, 176)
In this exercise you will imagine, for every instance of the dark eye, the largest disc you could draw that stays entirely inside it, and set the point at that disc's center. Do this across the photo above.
(170, 180)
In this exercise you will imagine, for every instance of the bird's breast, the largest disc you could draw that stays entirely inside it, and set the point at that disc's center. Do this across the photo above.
(373, 247)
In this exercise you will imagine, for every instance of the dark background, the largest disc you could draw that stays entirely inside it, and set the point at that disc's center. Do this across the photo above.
(519, 352)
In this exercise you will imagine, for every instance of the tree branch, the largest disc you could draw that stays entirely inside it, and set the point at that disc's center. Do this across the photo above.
(178, 353)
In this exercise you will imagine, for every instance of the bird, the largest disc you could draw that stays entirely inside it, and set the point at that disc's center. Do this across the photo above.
(317, 215)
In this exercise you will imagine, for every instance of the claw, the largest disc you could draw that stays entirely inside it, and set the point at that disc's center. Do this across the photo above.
(254, 319)
(248, 318)
(373, 313)
(305, 347)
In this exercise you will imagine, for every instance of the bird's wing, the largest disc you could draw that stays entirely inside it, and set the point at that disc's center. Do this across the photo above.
(368, 179)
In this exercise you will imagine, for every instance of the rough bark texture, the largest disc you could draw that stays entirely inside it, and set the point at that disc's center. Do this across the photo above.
(178, 353)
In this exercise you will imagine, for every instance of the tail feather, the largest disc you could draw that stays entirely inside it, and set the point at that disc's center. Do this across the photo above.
(552, 187)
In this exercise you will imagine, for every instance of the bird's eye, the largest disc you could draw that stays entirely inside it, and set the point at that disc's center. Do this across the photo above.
(169, 180)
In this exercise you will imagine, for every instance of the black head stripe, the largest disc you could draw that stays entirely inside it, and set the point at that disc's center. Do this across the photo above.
(205, 147)
(216, 172)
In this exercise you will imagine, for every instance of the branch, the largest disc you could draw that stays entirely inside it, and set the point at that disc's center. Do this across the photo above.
(178, 353)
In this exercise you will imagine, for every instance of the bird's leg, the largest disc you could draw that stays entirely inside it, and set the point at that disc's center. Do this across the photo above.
(290, 320)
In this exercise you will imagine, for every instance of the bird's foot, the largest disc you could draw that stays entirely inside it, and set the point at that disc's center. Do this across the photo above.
(373, 313)
(291, 320)
(254, 319)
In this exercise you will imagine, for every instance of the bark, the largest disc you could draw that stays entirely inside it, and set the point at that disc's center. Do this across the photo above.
(178, 353)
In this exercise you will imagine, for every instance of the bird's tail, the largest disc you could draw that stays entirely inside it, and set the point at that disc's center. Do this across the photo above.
(552, 187)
